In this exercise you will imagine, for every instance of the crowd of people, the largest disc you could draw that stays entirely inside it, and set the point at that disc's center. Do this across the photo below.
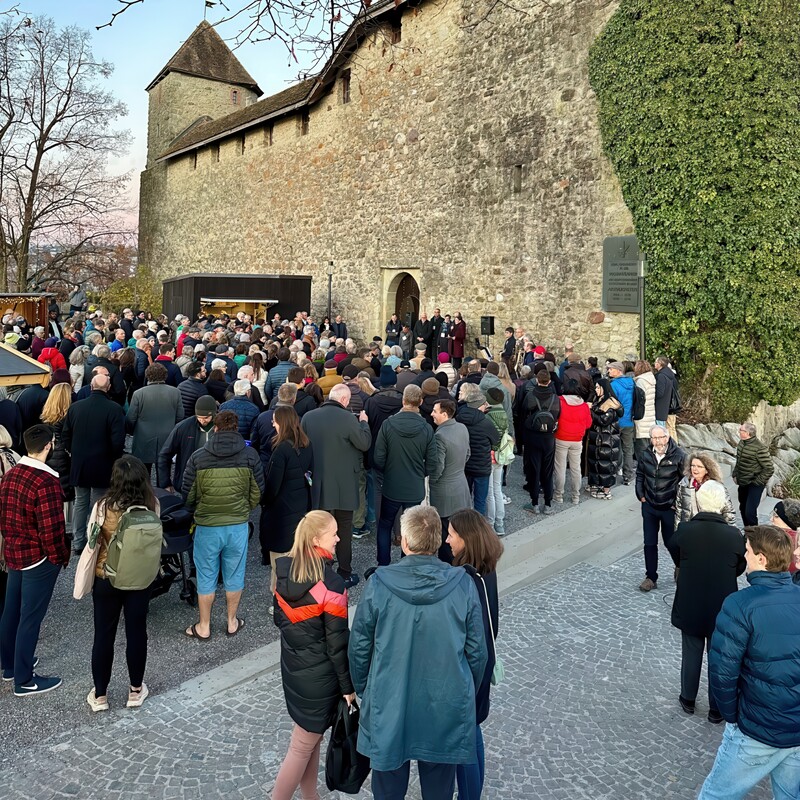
(330, 439)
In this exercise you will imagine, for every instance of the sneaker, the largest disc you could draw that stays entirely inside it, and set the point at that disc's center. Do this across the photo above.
(506, 499)
(687, 705)
(715, 717)
(500, 530)
(38, 684)
(94, 703)
(135, 699)
(548, 510)
(360, 533)
(647, 585)
(626, 482)
(558, 498)
(576, 501)
(352, 581)
(8, 674)
(530, 507)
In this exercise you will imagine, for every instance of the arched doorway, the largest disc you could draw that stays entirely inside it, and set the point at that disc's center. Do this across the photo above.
(406, 304)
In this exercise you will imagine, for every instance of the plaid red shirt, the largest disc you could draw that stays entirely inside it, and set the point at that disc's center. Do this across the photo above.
(32, 515)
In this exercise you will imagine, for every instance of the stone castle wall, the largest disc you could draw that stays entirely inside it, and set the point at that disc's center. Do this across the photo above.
(469, 157)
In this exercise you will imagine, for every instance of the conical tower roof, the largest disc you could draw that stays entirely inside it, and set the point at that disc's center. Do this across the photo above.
(205, 55)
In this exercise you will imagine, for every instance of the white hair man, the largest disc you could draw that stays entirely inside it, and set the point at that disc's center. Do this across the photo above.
(752, 471)
(245, 409)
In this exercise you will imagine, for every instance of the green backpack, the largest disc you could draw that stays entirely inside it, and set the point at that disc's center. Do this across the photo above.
(134, 552)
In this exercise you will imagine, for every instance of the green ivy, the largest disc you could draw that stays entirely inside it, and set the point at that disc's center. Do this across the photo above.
(700, 115)
(141, 291)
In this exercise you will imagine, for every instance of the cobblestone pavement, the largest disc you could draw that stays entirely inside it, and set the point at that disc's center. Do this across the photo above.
(588, 710)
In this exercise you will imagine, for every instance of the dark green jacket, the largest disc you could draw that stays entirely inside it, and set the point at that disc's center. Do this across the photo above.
(753, 463)
(406, 453)
(223, 481)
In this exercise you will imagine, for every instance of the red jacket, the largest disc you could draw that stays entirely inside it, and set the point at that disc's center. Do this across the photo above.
(575, 419)
(32, 515)
(50, 355)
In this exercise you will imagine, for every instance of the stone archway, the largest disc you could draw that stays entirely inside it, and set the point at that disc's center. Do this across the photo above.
(406, 301)
(400, 294)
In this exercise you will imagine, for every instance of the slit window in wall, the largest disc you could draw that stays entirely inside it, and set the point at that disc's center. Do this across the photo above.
(268, 133)
(194, 159)
(395, 30)
(304, 123)
(346, 86)
(516, 178)
(215, 152)
(241, 144)
(235, 97)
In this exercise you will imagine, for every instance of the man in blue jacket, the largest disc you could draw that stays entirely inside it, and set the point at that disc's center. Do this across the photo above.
(417, 651)
(754, 672)
(623, 387)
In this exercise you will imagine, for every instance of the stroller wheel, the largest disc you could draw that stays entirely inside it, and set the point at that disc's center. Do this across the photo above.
(190, 595)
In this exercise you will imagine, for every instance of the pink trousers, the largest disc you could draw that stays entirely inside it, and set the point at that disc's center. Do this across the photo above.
(300, 767)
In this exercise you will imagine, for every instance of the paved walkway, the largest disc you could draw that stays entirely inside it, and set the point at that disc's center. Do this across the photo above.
(588, 710)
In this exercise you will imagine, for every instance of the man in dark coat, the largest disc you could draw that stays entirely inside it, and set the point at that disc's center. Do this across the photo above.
(392, 329)
(754, 671)
(339, 327)
(436, 326)
(658, 474)
(339, 441)
(483, 438)
(422, 331)
(752, 471)
(193, 388)
(406, 340)
(187, 436)
(710, 554)
(94, 435)
(539, 440)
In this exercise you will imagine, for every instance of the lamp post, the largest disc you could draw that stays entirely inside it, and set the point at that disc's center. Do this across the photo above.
(330, 284)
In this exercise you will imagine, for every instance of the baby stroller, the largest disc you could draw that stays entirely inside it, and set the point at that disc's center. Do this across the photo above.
(178, 522)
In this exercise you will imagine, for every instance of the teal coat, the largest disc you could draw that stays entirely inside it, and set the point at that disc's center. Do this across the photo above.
(417, 651)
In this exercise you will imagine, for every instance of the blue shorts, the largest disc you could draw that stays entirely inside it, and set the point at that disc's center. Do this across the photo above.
(221, 545)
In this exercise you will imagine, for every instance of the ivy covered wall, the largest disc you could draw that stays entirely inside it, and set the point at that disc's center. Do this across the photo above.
(700, 115)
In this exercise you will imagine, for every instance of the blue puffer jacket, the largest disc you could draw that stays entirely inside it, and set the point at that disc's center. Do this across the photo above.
(623, 389)
(246, 412)
(754, 662)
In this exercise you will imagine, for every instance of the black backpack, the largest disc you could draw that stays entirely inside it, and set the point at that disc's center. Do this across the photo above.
(675, 397)
(542, 420)
(639, 399)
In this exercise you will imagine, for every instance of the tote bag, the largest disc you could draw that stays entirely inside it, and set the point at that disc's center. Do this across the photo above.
(345, 768)
(84, 573)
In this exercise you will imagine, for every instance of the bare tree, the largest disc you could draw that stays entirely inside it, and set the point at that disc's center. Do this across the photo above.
(57, 130)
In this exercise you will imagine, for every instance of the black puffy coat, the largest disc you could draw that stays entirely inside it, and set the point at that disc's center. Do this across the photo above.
(658, 482)
(191, 390)
(59, 460)
(216, 389)
(287, 496)
(603, 447)
(379, 407)
(261, 437)
(483, 438)
(314, 665)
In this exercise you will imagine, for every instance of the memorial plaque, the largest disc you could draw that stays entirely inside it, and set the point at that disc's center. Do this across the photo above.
(621, 274)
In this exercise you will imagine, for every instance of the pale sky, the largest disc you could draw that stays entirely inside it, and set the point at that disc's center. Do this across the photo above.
(141, 41)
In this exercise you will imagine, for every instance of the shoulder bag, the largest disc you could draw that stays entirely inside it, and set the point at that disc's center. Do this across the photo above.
(84, 572)
(499, 671)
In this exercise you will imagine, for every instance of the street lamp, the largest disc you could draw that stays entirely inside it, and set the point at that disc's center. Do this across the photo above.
(330, 284)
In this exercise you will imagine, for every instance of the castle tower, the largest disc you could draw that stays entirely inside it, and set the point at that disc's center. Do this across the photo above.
(203, 80)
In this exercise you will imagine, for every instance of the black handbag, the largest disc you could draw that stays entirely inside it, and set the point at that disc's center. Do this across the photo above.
(345, 768)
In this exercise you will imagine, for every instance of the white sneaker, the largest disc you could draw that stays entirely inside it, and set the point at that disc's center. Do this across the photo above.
(95, 704)
(135, 699)
(506, 500)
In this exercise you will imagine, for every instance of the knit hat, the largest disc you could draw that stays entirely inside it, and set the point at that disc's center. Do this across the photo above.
(494, 396)
(617, 365)
(11, 338)
(444, 358)
(205, 405)
(539, 351)
(60, 376)
(350, 371)
(430, 386)
(442, 378)
(789, 512)
(331, 364)
(405, 364)
(51, 342)
(388, 376)
(478, 401)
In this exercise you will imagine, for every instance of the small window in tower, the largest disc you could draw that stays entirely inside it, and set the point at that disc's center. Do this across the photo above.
(268, 131)
(241, 144)
(194, 159)
(215, 152)
(517, 178)
(396, 31)
(346, 86)
(235, 96)
(304, 120)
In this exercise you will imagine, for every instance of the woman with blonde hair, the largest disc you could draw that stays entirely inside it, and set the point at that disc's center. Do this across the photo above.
(77, 366)
(505, 378)
(310, 370)
(310, 609)
(365, 383)
(55, 410)
(700, 468)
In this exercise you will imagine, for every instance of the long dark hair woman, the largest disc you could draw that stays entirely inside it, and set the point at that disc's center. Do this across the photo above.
(310, 609)
(477, 548)
(217, 385)
(602, 452)
(287, 494)
(130, 486)
(127, 366)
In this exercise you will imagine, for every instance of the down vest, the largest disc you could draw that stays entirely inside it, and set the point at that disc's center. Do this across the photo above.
(754, 661)
(312, 618)
(223, 481)
(658, 482)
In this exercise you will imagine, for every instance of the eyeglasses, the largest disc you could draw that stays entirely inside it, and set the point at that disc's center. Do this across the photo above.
(659, 438)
